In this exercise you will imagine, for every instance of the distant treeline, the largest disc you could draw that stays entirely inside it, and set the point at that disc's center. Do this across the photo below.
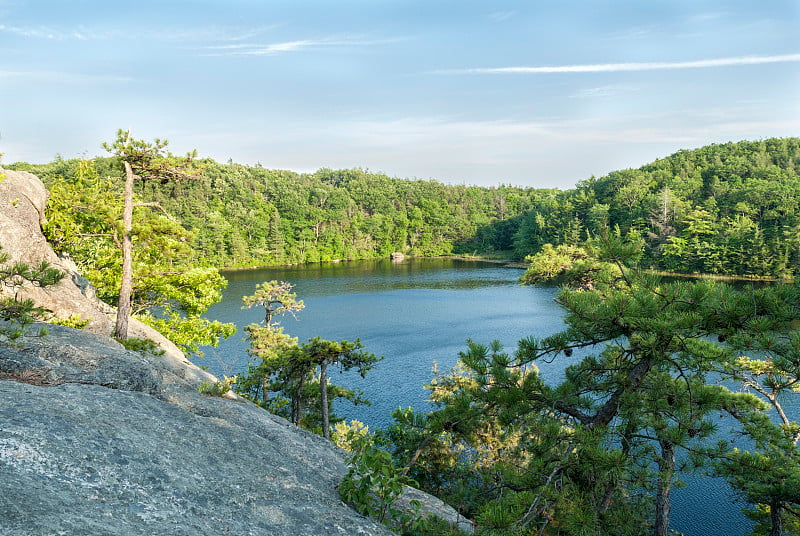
(724, 209)
(729, 209)
(244, 215)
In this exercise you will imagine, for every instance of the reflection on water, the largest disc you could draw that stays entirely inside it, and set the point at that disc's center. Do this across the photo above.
(414, 313)
(382, 275)
(420, 312)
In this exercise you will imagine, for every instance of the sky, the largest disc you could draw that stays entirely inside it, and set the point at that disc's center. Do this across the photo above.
(541, 93)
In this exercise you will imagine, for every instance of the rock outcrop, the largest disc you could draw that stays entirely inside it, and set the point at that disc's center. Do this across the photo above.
(96, 439)
(22, 203)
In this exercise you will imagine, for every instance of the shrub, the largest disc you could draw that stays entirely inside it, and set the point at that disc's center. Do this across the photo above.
(217, 388)
(143, 346)
(72, 321)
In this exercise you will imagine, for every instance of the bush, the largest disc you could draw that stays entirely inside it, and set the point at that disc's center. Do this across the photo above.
(373, 483)
(143, 346)
(72, 321)
(13, 277)
(217, 388)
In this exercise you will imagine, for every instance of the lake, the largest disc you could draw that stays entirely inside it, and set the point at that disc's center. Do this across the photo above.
(420, 312)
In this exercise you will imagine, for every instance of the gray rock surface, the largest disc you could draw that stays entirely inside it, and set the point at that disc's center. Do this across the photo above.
(99, 440)
(96, 439)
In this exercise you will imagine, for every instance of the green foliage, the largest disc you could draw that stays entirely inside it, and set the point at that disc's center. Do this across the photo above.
(552, 264)
(430, 525)
(276, 297)
(347, 436)
(188, 331)
(217, 388)
(82, 214)
(170, 290)
(598, 262)
(298, 368)
(298, 375)
(500, 517)
(267, 341)
(726, 209)
(598, 452)
(245, 216)
(13, 278)
(373, 483)
(767, 475)
(72, 321)
(143, 346)
(151, 161)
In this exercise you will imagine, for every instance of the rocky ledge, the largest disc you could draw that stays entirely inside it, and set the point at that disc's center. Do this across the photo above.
(96, 439)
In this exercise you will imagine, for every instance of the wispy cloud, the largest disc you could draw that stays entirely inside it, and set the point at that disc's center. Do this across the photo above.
(272, 49)
(231, 34)
(206, 34)
(602, 91)
(500, 16)
(630, 67)
(61, 77)
(45, 32)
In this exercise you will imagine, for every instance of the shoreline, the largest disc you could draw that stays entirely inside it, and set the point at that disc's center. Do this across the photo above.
(511, 263)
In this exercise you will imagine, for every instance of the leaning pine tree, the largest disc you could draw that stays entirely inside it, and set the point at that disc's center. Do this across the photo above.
(144, 161)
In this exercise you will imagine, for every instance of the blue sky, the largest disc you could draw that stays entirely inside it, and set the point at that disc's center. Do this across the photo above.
(536, 93)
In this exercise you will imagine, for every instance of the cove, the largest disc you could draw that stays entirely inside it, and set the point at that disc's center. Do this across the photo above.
(420, 312)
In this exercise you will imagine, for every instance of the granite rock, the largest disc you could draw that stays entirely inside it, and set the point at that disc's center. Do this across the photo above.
(99, 440)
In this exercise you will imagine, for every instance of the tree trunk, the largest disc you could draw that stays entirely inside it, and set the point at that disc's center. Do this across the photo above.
(666, 469)
(126, 285)
(323, 395)
(417, 454)
(776, 520)
(297, 403)
(299, 414)
(265, 390)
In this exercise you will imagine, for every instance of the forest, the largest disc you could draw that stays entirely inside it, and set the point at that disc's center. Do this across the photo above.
(729, 209)
(598, 453)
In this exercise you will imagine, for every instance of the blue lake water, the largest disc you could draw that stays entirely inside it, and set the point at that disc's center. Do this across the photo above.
(418, 313)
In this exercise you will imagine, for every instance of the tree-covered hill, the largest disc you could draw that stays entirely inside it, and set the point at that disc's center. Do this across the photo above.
(244, 215)
(730, 209)
(727, 209)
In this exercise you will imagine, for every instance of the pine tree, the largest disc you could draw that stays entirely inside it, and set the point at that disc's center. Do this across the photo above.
(143, 161)
(268, 342)
(13, 278)
(84, 220)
